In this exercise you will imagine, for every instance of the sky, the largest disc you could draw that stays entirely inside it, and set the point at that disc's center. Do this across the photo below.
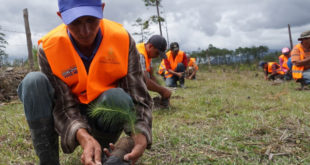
(193, 24)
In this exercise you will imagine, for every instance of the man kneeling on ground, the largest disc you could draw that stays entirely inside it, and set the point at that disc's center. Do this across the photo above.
(192, 69)
(85, 61)
(272, 69)
(176, 64)
(301, 59)
(154, 47)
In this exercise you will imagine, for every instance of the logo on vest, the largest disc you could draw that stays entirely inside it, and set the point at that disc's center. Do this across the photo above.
(70, 72)
(109, 57)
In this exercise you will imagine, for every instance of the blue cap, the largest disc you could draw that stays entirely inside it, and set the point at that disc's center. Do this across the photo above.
(73, 9)
(262, 63)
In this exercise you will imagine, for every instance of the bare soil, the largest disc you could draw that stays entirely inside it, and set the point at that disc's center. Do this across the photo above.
(10, 77)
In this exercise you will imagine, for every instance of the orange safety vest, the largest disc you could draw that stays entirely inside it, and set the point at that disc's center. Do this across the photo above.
(297, 70)
(142, 50)
(109, 64)
(270, 64)
(192, 63)
(174, 62)
(285, 59)
(162, 67)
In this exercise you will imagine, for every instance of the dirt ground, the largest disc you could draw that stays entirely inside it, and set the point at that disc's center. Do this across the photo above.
(10, 77)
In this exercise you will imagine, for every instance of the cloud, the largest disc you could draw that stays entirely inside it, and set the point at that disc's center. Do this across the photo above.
(194, 24)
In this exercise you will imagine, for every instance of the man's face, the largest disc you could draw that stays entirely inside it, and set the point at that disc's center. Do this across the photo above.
(265, 67)
(153, 52)
(306, 42)
(175, 52)
(84, 30)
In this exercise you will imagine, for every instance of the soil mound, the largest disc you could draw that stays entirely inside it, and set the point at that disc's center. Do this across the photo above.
(10, 77)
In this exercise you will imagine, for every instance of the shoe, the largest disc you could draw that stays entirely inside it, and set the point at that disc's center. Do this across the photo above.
(45, 143)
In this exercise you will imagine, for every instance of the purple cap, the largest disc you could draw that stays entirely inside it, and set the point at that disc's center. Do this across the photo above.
(73, 9)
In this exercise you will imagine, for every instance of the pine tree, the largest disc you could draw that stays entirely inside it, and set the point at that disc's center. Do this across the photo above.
(3, 43)
(143, 29)
(155, 18)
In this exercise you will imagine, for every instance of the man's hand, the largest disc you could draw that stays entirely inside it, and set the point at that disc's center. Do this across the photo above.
(138, 149)
(91, 148)
(179, 74)
(166, 94)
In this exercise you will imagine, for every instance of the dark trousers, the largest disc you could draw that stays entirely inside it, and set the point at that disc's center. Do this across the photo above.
(172, 81)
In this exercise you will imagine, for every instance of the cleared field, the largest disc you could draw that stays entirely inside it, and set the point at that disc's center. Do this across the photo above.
(226, 116)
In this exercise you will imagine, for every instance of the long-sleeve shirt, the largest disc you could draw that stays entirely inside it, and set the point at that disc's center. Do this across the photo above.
(66, 112)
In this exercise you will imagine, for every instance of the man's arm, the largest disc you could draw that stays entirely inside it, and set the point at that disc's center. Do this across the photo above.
(184, 61)
(133, 83)
(296, 58)
(305, 62)
(152, 85)
(193, 73)
(151, 81)
(168, 68)
(274, 69)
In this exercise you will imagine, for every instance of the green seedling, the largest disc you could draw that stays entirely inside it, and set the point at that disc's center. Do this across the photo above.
(115, 116)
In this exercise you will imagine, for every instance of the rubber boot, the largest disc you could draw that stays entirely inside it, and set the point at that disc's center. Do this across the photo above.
(45, 142)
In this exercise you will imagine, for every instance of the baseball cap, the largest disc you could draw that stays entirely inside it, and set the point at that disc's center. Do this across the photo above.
(304, 35)
(73, 9)
(286, 50)
(159, 43)
(262, 63)
(174, 46)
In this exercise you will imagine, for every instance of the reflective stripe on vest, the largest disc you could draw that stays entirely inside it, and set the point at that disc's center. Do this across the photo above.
(162, 67)
(174, 62)
(297, 71)
(109, 64)
(141, 49)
